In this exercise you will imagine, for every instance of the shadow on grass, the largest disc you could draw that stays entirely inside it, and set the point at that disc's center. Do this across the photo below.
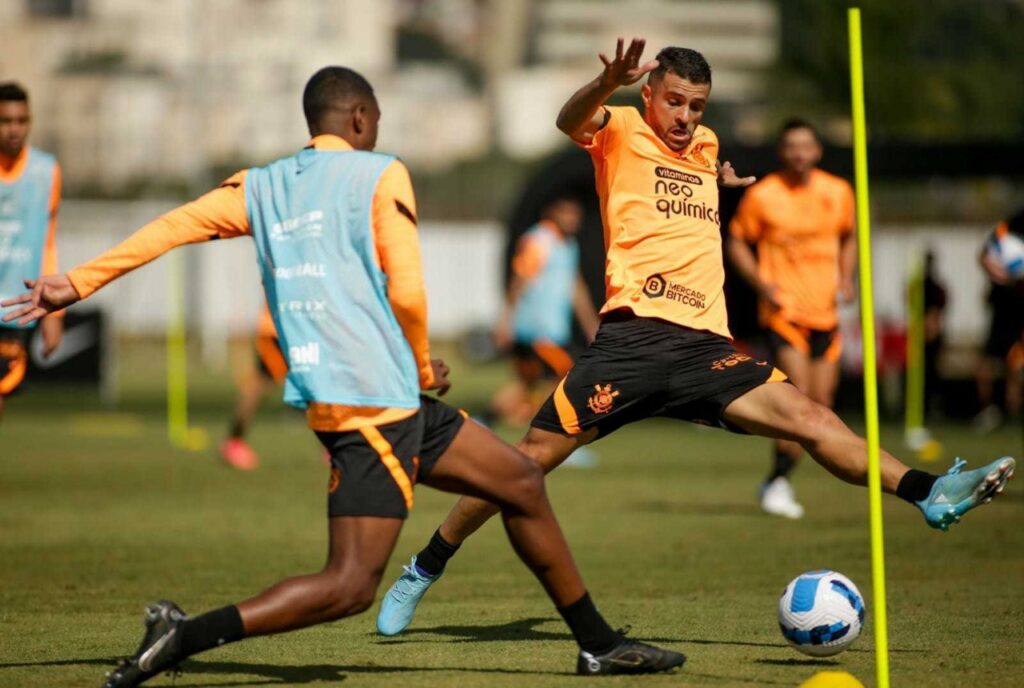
(522, 629)
(274, 674)
(751, 509)
(798, 662)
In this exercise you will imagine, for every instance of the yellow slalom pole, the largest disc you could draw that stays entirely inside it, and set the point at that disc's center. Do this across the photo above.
(177, 381)
(867, 319)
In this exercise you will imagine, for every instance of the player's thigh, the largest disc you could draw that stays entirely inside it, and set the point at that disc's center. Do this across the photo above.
(478, 463)
(795, 364)
(781, 411)
(360, 546)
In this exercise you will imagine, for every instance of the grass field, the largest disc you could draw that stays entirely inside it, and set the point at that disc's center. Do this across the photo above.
(98, 517)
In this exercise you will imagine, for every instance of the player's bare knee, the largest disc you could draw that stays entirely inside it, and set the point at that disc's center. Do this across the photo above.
(346, 593)
(528, 489)
(814, 422)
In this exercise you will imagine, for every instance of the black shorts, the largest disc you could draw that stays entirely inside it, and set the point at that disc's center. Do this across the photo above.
(374, 469)
(541, 360)
(814, 344)
(637, 368)
(13, 358)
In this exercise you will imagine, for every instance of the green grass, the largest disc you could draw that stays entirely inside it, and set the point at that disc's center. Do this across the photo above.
(98, 516)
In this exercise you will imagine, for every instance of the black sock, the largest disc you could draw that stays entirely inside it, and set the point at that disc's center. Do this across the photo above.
(237, 429)
(211, 629)
(591, 631)
(782, 465)
(915, 485)
(436, 554)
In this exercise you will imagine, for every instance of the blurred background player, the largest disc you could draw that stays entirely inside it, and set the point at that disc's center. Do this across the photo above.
(801, 220)
(1006, 301)
(936, 300)
(545, 291)
(270, 370)
(29, 200)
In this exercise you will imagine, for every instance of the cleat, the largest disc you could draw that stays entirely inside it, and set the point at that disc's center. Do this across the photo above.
(158, 651)
(777, 499)
(629, 657)
(956, 493)
(400, 601)
(237, 453)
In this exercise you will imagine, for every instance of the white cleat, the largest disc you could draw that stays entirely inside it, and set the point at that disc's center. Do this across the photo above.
(777, 499)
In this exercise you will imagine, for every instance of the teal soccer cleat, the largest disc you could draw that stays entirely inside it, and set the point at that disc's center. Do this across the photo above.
(956, 493)
(399, 603)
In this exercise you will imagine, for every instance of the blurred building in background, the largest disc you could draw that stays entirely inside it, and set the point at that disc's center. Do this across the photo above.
(157, 96)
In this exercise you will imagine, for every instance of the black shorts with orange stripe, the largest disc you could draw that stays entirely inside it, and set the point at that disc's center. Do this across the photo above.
(270, 360)
(540, 360)
(374, 469)
(815, 344)
(13, 358)
(640, 368)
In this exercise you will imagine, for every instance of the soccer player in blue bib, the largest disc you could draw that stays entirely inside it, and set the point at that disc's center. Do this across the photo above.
(335, 233)
(29, 198)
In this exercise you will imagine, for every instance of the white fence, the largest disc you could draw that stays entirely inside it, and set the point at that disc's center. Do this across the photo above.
(462, 265)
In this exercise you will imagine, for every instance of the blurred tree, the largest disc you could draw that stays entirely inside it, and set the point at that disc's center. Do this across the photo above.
(935, 70)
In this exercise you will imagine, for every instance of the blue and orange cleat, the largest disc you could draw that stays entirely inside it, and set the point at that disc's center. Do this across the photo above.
(956, 493)
(399, 603)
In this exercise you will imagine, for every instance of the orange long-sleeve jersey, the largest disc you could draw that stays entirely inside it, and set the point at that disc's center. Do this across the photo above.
(221, 213)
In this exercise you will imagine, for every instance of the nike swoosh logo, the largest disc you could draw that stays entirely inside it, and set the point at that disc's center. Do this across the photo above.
(76, 340)
(146, 657)
(942, 499)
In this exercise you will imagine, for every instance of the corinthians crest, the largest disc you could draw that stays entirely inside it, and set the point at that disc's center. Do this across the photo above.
(603, 399)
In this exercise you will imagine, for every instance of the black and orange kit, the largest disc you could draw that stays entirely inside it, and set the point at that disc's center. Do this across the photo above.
(637, 368)
(374, 469)
(663, 347)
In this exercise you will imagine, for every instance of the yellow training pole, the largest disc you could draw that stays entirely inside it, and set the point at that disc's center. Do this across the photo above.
(867, 319)
(177, 382)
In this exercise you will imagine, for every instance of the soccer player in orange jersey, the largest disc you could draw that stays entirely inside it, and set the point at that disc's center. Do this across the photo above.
(29, 199)
(801, 220)
(335, 231)
(271, 369)
(663, 347)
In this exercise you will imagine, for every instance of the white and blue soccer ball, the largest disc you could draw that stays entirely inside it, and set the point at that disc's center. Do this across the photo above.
(1008, 251)
(821, 613)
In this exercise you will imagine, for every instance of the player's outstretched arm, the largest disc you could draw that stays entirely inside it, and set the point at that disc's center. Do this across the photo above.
(581, 117)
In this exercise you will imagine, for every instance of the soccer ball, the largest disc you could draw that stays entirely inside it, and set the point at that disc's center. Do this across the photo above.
(821, 613)
(1008, 251)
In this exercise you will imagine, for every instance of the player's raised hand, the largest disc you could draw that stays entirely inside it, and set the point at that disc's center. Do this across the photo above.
(441, 382)
(727, 176)
(49, 294)
(626, 69)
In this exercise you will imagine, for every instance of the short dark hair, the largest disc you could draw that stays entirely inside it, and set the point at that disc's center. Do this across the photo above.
(683, 62)
(11, 91)
(330, 88)
(794, 123)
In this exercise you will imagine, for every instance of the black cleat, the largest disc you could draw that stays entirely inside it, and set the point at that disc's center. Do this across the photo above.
(629, 657)
(159, 650)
